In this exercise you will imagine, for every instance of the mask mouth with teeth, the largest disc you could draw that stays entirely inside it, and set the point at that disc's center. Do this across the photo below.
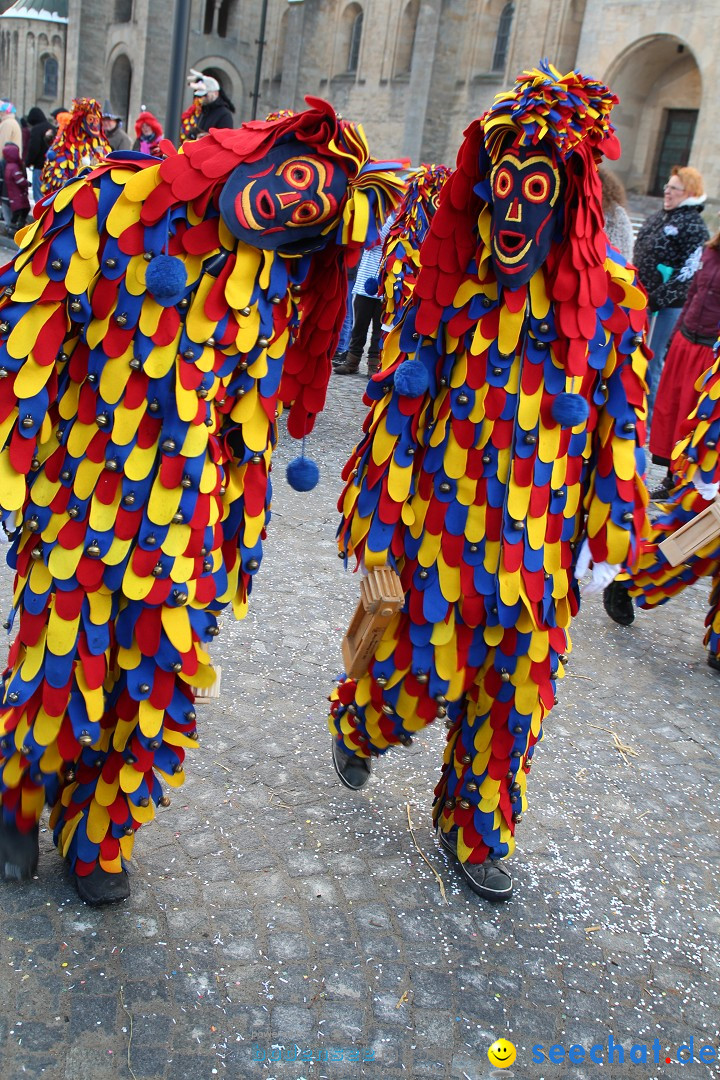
(525, 198)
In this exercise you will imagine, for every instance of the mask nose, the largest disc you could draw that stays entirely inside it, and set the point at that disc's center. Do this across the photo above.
(514, 212)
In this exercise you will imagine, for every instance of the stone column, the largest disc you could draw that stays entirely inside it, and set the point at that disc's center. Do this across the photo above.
(421, 73)
(290, 95)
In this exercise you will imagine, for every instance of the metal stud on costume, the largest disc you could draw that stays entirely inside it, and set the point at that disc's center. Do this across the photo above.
(137, 433)
(477, 490)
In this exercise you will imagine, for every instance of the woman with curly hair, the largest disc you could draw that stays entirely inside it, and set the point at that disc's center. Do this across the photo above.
(668, 249)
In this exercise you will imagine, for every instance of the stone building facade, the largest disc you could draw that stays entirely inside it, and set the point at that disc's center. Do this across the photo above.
(414, 71)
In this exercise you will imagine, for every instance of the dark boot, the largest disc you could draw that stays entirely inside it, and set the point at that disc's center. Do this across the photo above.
(713, 661)
(618, 603)
(18, 853)
(339, 358)
(373, 365)
(662, 491)
(353, 771)
(100, 887)
(349, 366)
(490, 879)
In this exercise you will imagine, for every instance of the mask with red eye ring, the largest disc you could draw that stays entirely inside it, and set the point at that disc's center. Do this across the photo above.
(287, 200)
(526, 186)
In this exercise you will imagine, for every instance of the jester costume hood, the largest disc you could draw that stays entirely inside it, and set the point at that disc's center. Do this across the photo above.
(515, 438)
(79, 143)
(156, 320)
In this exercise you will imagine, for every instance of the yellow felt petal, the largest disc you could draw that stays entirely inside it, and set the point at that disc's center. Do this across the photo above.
(176, 624)
(130, 778)
(98, 819)
(176, 541)
(12, 484)
(150, 719)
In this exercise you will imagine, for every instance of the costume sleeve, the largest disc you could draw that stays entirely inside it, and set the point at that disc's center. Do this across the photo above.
(380, 477)
(616, 497)
(696, 452)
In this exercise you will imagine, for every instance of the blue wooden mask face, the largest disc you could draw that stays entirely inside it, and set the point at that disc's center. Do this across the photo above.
(525, 186)
(287, 201)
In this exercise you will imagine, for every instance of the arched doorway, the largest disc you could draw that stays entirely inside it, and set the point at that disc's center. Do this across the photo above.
(120, 79)
(658, 82)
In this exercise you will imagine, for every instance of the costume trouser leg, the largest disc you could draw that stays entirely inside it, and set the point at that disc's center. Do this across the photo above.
(93, 732)
(494, 685)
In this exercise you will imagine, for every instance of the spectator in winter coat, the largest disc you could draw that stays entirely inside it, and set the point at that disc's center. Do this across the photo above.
(15, 186)
(114, 133)
(10, 130)
(42, 133)
(217, 109)
(668, 250)
(689, 355)
(149, 133)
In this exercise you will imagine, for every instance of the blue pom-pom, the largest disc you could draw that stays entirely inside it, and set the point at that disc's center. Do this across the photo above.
(302, 474)
(569, 410)
(371, 286)
(411, 379)
(165, 279)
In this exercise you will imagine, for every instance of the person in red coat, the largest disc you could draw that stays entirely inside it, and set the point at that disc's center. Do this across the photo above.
(16, 186)
(689, 355)
(148, 130)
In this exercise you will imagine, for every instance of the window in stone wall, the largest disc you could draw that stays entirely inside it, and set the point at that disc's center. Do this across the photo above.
(120, 83)
(224, 17)
(502, 40)
(280, 48)
(353, 27)
(123, 11)
(406, 39)
(218, 16)
(50, 73)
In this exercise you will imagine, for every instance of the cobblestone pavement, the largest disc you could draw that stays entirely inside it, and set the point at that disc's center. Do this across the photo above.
(273, 908)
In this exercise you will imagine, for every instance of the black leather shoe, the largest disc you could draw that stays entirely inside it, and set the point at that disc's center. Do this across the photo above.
(18, 853)
(354, 771)
(662, 492)
(617, 601)
(490, 879)
(713, 661)
(100, 887)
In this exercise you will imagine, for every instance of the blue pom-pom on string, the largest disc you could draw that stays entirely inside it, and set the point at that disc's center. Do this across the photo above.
(411, 379)
(165, 279)
(569, 410)
(371, 286)
(302, 473)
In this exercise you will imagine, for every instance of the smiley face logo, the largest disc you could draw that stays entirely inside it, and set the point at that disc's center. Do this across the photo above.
(502, 1053)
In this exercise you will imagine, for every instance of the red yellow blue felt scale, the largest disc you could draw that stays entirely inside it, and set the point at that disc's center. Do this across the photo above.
(145, 354)
(79, 144)
(478, 489)
(653, 581)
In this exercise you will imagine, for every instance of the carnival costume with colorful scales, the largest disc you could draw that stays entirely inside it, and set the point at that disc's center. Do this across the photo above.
(696, 468)
(401, 256)
(79, 144)
(524, 338)
(155, 321)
